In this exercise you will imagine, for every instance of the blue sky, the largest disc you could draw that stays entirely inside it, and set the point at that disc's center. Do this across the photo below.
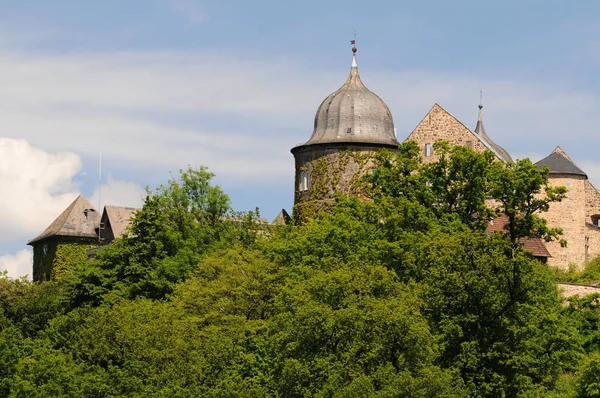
(157, 85)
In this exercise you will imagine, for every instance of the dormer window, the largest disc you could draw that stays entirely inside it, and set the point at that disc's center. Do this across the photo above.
(86, 212)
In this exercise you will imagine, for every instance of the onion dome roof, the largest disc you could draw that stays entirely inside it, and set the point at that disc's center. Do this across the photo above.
(353, 114)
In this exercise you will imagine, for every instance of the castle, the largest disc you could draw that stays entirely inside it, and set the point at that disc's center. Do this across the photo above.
(350, 126)
(352, 123)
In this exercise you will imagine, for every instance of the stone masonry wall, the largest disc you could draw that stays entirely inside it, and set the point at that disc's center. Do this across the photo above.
(331, 170)
(439, 124)
(570, 215)
(592, 201)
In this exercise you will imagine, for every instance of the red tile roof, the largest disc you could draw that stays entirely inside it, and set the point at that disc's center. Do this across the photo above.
(535, 245)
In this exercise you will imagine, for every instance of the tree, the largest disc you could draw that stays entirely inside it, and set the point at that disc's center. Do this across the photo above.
(179, 224)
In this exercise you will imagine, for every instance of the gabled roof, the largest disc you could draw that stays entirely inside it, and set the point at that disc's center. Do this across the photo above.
(118, 218)
(535, 245)
(481, 136)
(560, 163)
(79, 219)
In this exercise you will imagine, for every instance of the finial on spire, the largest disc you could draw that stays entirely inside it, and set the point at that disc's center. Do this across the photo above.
(480, 116)
(353, 42)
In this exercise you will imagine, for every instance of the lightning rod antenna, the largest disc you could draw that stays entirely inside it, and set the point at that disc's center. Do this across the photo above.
(100, 196)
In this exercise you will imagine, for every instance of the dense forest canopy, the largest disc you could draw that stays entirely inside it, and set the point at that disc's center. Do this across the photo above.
(400, 293)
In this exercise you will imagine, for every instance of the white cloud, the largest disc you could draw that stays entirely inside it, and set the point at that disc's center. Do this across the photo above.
(17, 265)
(239, 114)
(119, 193)
(36, 187)
(130, 106)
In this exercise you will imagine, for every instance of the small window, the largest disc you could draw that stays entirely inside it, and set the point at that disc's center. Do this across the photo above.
(349, 130)
(470, 144)
(304, 181)
(427, 150)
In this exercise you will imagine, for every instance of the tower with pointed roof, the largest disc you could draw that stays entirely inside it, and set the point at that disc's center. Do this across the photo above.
(65, 241)
(578, 214)
(350, 125)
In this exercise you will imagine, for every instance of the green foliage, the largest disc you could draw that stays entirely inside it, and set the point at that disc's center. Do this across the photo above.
(179, 224)
(69, 253)
(589, 274)
(589, 377)
(399, 294)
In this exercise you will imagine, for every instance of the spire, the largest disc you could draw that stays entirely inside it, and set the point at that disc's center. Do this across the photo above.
(479, 130)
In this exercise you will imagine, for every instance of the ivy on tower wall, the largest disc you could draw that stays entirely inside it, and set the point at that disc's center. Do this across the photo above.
(54, 257)
(334, 172)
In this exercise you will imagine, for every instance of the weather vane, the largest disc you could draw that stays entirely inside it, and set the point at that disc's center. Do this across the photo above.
(353, 42)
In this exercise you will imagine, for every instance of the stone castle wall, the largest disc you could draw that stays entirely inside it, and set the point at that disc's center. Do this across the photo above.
(331, 170)
(570, 216)
(574, 216)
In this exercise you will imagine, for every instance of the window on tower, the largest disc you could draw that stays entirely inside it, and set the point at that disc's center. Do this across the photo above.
(304, 181)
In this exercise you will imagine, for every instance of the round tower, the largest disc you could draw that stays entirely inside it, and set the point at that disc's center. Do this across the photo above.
(351, 125)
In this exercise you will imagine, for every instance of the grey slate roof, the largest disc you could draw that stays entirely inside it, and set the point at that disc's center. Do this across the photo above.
(560, 163)
(353, 114)
(480, 132)
(79, 219)
(118, 218)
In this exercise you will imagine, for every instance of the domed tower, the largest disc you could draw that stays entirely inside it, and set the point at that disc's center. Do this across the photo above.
(351, 125)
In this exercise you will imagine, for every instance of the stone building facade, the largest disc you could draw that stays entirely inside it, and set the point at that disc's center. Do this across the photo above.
(439, 124)
(578, 214)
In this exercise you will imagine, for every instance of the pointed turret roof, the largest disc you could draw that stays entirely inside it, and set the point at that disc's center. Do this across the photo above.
(480, 132)
(283, 218)
(560, 163)
(353, 114)
(79, 219)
